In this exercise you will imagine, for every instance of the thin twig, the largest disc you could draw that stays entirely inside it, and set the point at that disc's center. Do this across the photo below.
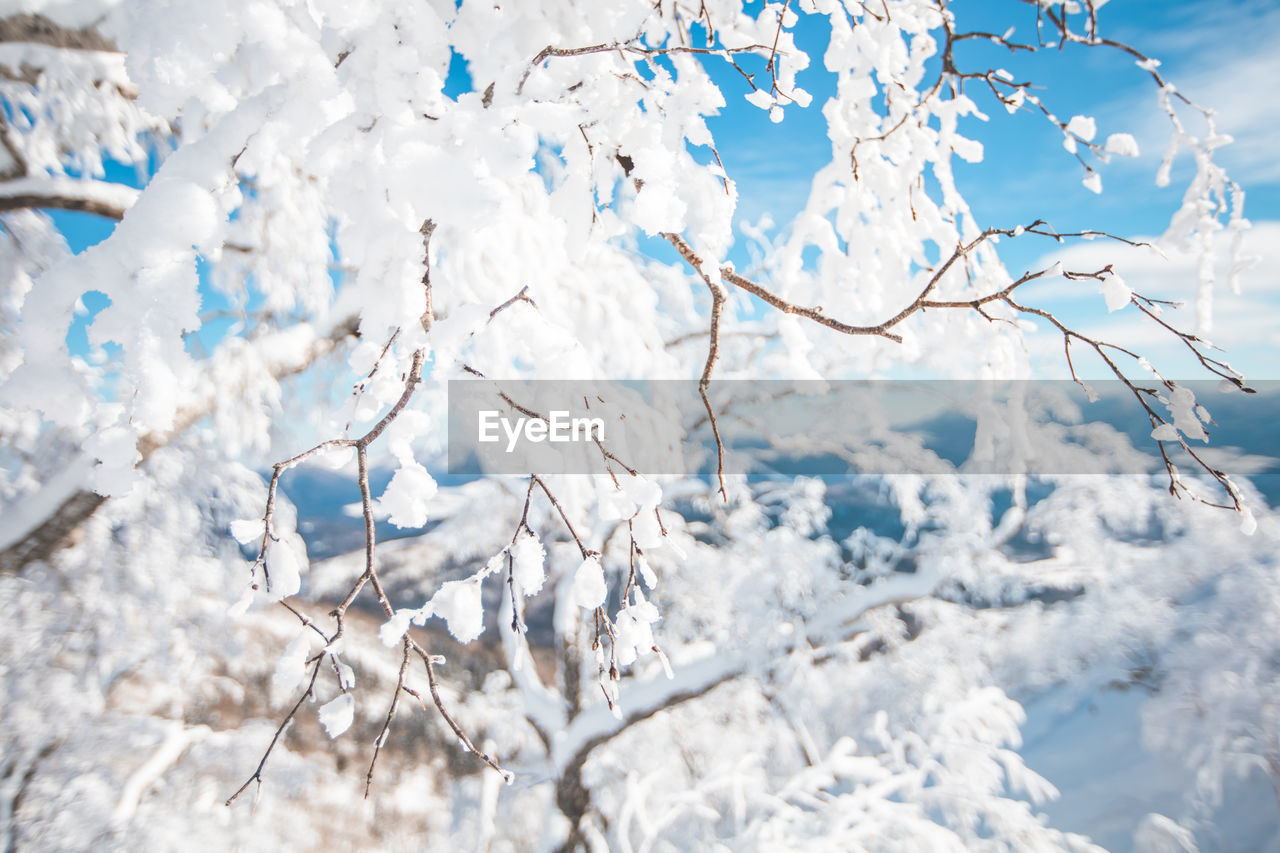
(551, 51)
(467, 744)
(391, 712)
(257, 773)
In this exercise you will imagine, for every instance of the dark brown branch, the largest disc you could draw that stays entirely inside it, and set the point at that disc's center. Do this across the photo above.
(38, 29)
(522, 296)
(369, 577)
(55, 201)
(306, 620)
(1141, 394)
(20, 166)
(366, 502)
(257, 774)
(563, 515)
(1039, 227)
(777, 34)
(391, 712)
(551, 51)
(358, 390)
(51, 534)
(1004, 295)
(814, 314)
(429, 662)
(516, 624)
(853, 152)
(713, 354)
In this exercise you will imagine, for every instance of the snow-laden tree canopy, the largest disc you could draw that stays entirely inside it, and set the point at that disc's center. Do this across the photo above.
(330, 227)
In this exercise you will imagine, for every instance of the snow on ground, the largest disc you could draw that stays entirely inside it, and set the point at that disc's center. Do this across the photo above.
(1090, 746)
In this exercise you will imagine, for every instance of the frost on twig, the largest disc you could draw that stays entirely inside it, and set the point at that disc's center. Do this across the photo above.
(369, 576)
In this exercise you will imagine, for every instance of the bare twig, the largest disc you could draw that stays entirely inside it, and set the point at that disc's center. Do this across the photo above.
(284, 724)
(551, 51)
(429, 662)
(979, 304)
(391, 712)
(563, 515)
(46, 537)
(369, 577)
(85, 196)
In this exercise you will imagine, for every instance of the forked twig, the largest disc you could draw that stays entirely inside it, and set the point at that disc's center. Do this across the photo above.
(369, 577)
(1005, 295)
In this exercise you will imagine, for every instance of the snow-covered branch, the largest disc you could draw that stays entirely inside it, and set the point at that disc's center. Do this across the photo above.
(58, 193)
(37, 526)
(642, 698)
(319, 176)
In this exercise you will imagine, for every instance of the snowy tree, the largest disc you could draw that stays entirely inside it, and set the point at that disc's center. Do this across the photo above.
(330, 227)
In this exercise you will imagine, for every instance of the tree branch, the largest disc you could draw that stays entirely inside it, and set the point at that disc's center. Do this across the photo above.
(101, 198)
(38, 29)
(62, 506)
(632, 48)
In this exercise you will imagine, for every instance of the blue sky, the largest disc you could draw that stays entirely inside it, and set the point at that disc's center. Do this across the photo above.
(1219, 53)
(1026, 173)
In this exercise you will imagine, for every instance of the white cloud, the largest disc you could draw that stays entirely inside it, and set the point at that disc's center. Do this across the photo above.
(1245, 325)
(1247, 109)
(1222, 56)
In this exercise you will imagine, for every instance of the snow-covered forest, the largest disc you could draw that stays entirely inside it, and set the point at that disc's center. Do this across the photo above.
(248, 606)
